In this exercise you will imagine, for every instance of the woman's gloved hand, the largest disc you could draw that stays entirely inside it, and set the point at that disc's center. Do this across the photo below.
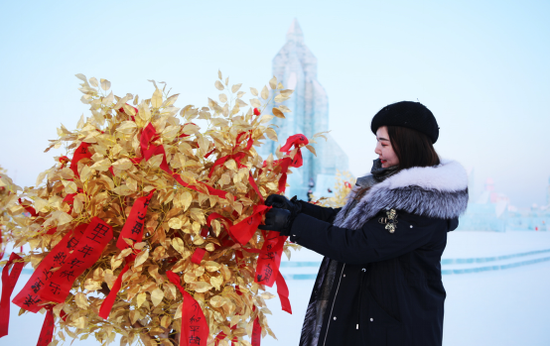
(280, 201)
(279, 220)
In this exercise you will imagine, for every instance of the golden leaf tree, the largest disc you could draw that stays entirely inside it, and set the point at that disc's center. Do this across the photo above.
(190, 186)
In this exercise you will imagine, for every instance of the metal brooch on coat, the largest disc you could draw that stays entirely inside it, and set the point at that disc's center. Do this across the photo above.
(390, 220)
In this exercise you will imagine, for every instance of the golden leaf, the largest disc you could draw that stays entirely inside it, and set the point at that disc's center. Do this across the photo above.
(123, 164)
(273, 83)
(266, 118)
(231, 164)
(81, 300)
(219, 85)
(175, 223)
(220, 74)
(197, 214)
(123, 190)
(217, 281)
(240, 103)
(170, 101)
(217, 301)
(80, 322)
(265, 93)
(281, 98)
(143, 111)
(286, 92)
(156, 296)
(70, 187)
(155, 161)
(278, 113)
(127, 127)
(140, 299)
(267, 295)
(223, 98)
(236, 87)
(141, 258)
(254, 91)
(165, 322)
(312, 149)
(129, 110)
(255, 103)
(284, 109)
(102, 165)
(81, 77)
(271, 134)
(93, 82)
(178, 312)
(200, 286)
(156, 100)
(177, 244)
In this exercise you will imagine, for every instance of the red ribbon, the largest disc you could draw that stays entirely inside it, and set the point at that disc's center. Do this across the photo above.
(132, 229)
(28, 298)
(80, 153)
(283, 293)
(269, 260)
(256, 338)
(9, 280)
(27, 207)
(46, 334)
(86, 253)
(148, 149)
(107, 304)
(198, 255)
(244, 230)
(294, 141)
(194, 329)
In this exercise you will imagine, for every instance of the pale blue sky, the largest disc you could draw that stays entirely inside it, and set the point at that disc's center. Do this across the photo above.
(482, 67)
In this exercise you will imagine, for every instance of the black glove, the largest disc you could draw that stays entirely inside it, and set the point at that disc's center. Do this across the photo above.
(279, 220)
(280, 201)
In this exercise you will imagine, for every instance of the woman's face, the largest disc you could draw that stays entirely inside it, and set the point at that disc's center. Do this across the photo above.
(384, 149)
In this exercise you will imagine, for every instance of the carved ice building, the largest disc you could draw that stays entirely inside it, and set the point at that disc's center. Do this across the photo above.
(296, 68)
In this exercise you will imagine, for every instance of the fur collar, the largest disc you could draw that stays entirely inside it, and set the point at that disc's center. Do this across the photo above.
(437, 192)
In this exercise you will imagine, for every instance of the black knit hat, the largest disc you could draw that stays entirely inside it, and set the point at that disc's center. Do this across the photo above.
(413, 115)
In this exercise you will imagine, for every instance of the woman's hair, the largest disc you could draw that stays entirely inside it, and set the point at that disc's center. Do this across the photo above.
(412, 147)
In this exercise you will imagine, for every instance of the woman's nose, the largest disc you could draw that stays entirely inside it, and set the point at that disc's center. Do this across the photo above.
(377, 150)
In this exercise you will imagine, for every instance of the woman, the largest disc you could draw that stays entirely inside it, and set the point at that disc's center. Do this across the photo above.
(380, 281)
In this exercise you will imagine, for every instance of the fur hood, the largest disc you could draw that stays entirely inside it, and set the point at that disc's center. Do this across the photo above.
(436, 192)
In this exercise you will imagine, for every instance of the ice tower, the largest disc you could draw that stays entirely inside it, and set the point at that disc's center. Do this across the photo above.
(296, 68)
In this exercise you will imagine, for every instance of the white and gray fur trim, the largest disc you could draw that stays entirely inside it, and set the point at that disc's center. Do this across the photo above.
(439, 192)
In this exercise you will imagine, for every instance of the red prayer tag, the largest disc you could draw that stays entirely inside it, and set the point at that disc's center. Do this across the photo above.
(86, 253)
(194, 329)
(269, 260)
(29, 298)
(133, 227)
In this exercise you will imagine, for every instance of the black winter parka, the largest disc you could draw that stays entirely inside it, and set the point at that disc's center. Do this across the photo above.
(380, 282)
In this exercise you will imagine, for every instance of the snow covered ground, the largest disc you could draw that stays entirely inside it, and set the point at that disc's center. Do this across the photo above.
(505, 303)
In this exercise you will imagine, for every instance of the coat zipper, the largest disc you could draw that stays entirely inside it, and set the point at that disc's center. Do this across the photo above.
(333, 302)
